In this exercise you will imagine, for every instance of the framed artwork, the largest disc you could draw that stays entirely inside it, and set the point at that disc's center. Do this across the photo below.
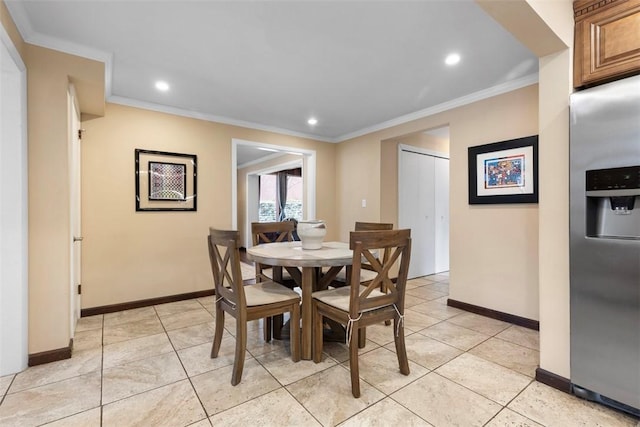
(504, 172)
(165, 181)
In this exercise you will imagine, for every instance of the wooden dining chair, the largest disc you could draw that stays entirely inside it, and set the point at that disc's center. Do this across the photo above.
(272, 232)
(245, 302)
(360, 305)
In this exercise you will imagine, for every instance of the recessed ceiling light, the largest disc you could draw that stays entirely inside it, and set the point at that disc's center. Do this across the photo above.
(162, 86)
(312, 121)
(452, 59)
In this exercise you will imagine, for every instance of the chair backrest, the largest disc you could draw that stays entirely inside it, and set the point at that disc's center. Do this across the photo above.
(373, 226)
(225, 264)
(270, 232)
(365, 244)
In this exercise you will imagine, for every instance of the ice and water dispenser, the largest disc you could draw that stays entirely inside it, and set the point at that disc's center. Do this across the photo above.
(613, 203)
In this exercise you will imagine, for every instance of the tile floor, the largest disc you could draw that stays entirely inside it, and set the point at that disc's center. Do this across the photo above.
(151, 367)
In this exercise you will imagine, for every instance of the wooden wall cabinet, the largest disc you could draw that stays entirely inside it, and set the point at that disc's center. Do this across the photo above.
(607, 40)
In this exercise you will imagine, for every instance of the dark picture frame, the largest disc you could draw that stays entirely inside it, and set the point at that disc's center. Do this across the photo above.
(504, 172)
(165, 181)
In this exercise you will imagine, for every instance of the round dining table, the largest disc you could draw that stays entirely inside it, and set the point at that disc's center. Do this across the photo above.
(305, 267)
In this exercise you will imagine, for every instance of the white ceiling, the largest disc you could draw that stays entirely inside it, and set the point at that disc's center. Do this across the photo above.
(356, 66)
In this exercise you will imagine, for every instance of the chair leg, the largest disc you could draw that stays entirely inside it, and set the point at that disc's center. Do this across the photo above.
(318, 326)
(278, 321)
(267, 326)
(241, 346)
(401, 349)
(362, 338)
(217, 337)
(294, 332)
(353, 362)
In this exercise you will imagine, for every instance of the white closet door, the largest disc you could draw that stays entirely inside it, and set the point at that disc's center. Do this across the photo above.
(441, 215)
(417, 211)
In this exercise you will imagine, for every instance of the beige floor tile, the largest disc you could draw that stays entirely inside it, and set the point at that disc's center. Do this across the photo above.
(425, 293)
(230, 324)
(327, 395)
(440, 277)
(521, 336)
(381, 334)
(197, 359)
(380, 368)
(437, 309)
(411, 300)
(202, 423)
(135, 349)
(126, 316)
(428, 352)
(420, 281)
(89, 323)
(488, 379)
(340, 351)
(257, 346)
(512, 356)
(260, 412)
(177, 307)
(455, 335)
(482, 324)
(136, 377)
(385, 413)
(552, 407)
(51, 402)
(86, 340)
(217, 394)
(172, 405)
(187, 318)
(208, 303)
(4, 384)
(442, 402)
(286, 371)
(192, 335)
(82, 362)
(415, 321)
(439, 287)
(83, 419)
(508, 418)
(129, 330)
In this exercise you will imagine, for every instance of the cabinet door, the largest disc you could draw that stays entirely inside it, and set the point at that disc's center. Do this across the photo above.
(608, 43)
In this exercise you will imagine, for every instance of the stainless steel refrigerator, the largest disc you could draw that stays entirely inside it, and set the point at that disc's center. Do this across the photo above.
(605, 243)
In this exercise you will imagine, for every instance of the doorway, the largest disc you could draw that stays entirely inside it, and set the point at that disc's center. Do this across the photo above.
(14, 297)
(245, 188)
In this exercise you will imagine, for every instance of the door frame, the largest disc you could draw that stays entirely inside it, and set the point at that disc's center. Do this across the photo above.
(309, 178)
(75, 209)
(14, 220)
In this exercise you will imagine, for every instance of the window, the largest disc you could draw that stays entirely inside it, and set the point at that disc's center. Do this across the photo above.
(270, 207)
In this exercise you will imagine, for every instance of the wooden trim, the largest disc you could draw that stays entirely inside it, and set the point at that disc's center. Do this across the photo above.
(51, 355)
(553, 380)
(494, 314)
(587, 7)
(144, 303)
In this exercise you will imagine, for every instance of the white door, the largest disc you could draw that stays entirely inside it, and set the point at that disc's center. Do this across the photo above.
(75, 201)
(423, 206)
(416, 209)
(441, 214)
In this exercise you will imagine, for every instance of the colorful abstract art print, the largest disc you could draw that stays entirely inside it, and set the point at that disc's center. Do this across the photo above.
(504, 172)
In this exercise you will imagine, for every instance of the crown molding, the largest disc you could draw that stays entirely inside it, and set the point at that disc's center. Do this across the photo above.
(449, 105)
(211, 118)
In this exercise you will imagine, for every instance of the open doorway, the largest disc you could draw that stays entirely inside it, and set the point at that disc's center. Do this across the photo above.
(262, 164)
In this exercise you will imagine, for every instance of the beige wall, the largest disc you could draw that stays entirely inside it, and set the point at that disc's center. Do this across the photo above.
(546, 27)
(11, 29)
(129, 255)
(48, 75)
(482, 271)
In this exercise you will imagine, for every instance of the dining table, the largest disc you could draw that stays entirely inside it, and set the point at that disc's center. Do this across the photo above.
(308, 267)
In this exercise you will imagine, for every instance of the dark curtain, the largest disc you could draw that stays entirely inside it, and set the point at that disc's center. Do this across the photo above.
(281, 195)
